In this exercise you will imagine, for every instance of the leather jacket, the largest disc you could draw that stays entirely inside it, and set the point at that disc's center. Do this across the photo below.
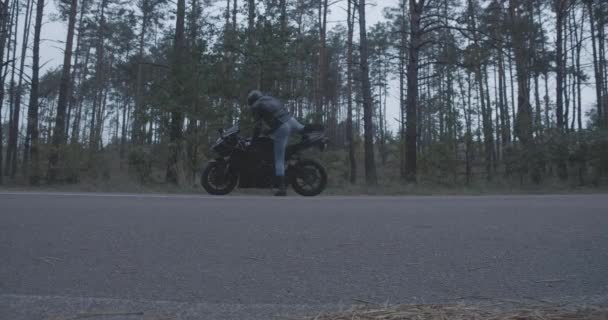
(271, 111)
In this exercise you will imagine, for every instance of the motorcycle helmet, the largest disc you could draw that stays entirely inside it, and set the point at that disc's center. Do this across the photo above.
(253, 96)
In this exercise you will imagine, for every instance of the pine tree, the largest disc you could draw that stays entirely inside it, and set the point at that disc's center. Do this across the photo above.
(370, 165)
(31, 142)
(59, 138)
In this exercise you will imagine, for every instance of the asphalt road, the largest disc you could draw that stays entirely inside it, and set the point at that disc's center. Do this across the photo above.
(195, 257)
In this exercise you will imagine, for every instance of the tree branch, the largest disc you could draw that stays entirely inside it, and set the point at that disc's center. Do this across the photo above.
(7, 62)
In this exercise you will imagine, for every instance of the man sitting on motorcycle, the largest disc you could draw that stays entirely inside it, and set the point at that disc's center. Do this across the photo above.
(274, 114)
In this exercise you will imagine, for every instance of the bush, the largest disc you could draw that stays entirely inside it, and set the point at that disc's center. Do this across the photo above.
(140, 163)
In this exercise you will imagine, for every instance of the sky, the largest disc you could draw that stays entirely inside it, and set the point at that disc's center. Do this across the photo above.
(54, 33)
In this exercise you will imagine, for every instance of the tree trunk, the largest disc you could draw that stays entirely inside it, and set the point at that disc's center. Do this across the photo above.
(486, 113)
(579, 47)
(383, 117)
(576, 61)
(468, 137)
(144, 24)
(545, 74)
(32, 121)
(538, 127)
(567, 74)
(64, 93)
(226, 66)
(123, 128)
(513, 115)
(192, 101)
(13, 134)
(11, 89)
(100, 121)
(138, 128)
(560, 10)
(488, 137)
(175, 172)
(380, 124)
(322, 63)
(402, 105)
(234, 15)
(411, 131)
(370, 166)
(573, 30)
(524, 115)
(494, 140)
(599, 79)
(78, 53)
(139, 135)
(100, 79)
(497, 127)
(252, 70)
(559, 57)
(75, 137)
(349, 92)
(523, 127)
(537, 62)
(7, 31)
(602, 58)
(284, 83)
(505, 118)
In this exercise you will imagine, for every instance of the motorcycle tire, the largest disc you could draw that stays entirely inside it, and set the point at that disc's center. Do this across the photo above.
(308, 178)
(208, 180)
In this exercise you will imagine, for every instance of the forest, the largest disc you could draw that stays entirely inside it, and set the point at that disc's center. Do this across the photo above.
(504, 92)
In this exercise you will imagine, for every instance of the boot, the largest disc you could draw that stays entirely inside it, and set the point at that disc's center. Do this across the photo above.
(282, 190)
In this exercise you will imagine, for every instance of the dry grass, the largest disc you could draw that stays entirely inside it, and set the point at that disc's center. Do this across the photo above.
(469, 312)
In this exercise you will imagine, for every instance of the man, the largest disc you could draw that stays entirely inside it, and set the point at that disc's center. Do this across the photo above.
(272, 112)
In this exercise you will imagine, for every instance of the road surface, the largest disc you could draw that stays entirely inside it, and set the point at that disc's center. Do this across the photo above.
(197, 257)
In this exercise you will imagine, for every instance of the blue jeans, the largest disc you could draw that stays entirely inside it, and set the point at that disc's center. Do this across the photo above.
(281, 137)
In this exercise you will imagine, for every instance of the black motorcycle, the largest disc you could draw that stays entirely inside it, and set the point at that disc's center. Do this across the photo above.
(250, 164)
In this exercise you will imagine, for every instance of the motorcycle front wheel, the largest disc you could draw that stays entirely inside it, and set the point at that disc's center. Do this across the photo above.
(217, 180)
(308, 178)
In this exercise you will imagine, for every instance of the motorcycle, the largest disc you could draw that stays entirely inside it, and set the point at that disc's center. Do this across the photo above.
(248, 163)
